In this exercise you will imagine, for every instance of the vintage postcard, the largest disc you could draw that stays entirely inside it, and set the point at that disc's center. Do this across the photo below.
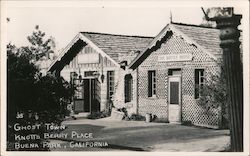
(117, 76)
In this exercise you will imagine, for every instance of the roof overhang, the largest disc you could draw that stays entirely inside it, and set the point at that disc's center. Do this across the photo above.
(78, 41)
(167, 31)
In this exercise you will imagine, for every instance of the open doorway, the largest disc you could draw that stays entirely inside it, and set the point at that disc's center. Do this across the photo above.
(86, 95)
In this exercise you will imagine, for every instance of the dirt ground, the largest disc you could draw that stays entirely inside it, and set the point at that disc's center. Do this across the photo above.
(140, 136)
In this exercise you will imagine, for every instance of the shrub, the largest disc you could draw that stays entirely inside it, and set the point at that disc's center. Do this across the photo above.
(29, 93)
(137, 117)
(98, 115)
(214, 96)
(160, 120)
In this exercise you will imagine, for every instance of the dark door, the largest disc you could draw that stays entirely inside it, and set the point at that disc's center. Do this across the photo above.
(174, 99)
(87, 96)
(95, 95)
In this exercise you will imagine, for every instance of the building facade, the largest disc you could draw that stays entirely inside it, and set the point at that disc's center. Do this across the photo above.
(172, 71)
(161, 76)
(94, 63)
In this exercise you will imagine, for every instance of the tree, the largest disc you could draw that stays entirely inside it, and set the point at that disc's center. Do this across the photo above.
(39, 46)
(31, 97)
(20, 81)
(53, 96)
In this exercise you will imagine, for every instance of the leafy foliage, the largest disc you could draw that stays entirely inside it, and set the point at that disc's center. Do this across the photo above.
(20, 82)
(214, 95)
(137, 117)
(39, 46)
(40, 99)
(27, 89)
(99, 114)
(214, 92)
(53, 95)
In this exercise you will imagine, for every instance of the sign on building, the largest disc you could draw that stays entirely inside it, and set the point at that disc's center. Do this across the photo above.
(175, 57)
(88, 58)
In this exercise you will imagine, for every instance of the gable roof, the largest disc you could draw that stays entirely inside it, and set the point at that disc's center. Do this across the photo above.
(110, 45)
(114, 45)
(205, 38)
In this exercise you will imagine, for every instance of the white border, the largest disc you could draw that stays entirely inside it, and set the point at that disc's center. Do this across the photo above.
(138, 3)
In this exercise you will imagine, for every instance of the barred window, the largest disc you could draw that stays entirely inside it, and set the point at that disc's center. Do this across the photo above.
(128, 89)
(110, 83)
(199, 82)
(151, 83)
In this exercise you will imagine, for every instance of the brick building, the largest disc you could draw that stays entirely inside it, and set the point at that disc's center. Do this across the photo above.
(173, 69)
(161, 76)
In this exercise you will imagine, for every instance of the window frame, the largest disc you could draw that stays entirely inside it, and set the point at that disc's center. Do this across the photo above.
(199, 81)
(152, 83)
(110, 84)
(128, 88)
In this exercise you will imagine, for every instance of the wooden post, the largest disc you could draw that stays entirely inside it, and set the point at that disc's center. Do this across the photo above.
(229, 35)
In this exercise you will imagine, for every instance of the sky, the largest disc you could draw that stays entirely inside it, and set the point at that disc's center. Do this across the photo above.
(63, 22)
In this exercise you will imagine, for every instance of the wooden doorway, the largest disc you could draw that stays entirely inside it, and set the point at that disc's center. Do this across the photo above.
(86, 95)
(174, 99)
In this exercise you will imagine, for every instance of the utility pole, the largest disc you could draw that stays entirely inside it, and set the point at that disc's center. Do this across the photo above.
(228, 24)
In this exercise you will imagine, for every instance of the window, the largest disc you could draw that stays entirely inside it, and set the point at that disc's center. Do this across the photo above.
(151, 83)
(110, 83)
(89, 73)
(174, 92)
(199, 82)
(128, 89)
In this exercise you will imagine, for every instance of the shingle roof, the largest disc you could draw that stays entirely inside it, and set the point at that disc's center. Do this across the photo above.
(113, 45)
(206, 37)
